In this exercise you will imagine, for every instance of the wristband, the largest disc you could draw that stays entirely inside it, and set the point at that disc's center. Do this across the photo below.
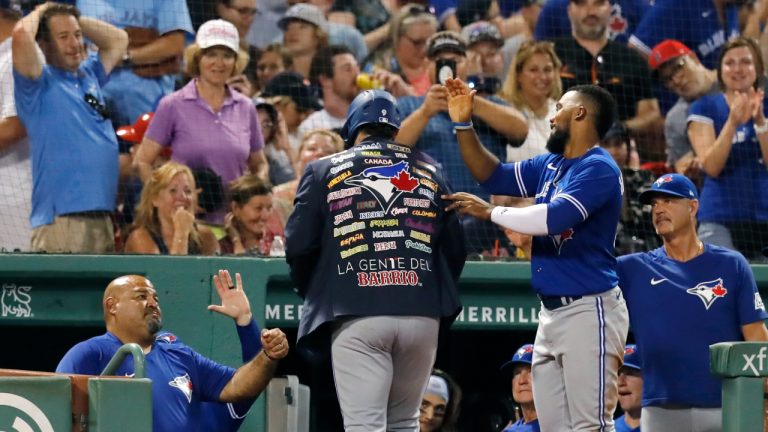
(267, 355)
(761, 129)
(462, 125)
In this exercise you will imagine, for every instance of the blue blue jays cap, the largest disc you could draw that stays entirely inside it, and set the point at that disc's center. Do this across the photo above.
(368, 107)
(632, 357)
(676, 185)
(524, 355)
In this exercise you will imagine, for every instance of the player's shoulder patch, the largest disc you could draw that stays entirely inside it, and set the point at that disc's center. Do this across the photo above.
(167, 338)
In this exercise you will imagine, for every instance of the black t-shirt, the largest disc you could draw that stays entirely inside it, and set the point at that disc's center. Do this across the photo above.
(617, 68)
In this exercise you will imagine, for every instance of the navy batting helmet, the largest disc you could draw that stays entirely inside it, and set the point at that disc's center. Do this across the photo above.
(369, 107)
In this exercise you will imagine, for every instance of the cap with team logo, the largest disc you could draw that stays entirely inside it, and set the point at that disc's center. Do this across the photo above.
(632, 357)
(665, 51)
(482, 31)
(676, 185)
(523, 355)
(446, 41)
(218, 32)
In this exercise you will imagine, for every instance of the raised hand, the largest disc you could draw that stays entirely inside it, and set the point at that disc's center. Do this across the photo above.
(436, 100)
(234, 302)
(183, 220)
(274, 343)
(460, 100)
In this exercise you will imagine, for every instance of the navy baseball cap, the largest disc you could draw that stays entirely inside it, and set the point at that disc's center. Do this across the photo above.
(632, 357)
(524, 355)
(676, 185)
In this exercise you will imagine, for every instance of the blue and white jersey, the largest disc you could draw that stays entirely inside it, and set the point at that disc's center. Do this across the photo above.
(584, 197)
(738, 193)
(181, 378)
(677, 310)
(621, 425)
(693, 22)
(554, 23)
(521, 426)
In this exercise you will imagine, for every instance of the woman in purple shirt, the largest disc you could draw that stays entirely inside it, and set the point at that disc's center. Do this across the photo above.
(206, 123)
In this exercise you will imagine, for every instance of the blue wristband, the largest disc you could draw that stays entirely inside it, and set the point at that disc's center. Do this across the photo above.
(462, 125)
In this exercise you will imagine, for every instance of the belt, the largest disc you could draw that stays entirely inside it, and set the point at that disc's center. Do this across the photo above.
(555, 302)
(90, 213)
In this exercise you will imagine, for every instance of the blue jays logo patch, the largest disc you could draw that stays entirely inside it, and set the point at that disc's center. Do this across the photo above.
(385, 183)
(560, 239)
(166, 337)
(708, 292)
(184, 384)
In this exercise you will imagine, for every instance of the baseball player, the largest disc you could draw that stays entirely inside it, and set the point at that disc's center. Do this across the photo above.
(519, 368)
(376, 258)
(683, 297)
(577, 189)
(630, 391)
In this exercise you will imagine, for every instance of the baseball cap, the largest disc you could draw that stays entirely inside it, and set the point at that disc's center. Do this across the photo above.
(446, 41)
(135, 133)
(676, 185)
(524, 355)
(438, 386)
(632, 357)
(218, 32)
(665, 51)
(304, 12)
(482, 31)
(295, 86)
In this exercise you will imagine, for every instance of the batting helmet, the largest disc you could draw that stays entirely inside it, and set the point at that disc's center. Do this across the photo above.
(369, 107)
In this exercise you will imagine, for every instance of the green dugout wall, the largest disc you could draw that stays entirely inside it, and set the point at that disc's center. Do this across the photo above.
(60, 291)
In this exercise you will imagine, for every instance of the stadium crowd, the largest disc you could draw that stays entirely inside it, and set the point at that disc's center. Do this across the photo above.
(184, 127)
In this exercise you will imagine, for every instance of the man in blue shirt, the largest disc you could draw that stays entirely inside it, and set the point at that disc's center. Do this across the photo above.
(683, 297)
(73, 144)
(630, 391)
(519, 367)
(578, 194)
(183, 380)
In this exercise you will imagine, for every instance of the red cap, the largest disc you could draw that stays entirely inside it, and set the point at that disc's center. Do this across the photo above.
(665, 51)
(135, 133)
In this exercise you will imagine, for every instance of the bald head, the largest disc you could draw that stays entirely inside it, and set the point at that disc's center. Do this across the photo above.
(131, 308)
(125, 283)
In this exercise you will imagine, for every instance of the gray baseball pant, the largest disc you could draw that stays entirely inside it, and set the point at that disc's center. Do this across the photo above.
(682, 419)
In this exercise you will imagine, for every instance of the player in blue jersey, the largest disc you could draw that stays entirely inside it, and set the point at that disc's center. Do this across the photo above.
(578, 193)
(683, 297)
(630, 390)
(183, 380)
(519, 368)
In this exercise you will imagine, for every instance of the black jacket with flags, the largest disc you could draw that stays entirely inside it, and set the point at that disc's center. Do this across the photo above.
(369, 236)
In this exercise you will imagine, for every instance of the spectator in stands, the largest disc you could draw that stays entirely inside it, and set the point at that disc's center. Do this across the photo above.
(703, 25)
(340, 33)
(240, 13)
(273, 60)
(305, 31)
(277, 148)
(15, 166)
(371, 17)
(533, 86)
(519, 369)
(675, 65)
(295, 99)
(315, 145)
(73, 144)
(439, 411)
(183, 379)
(206, 124)
(248, 224)
(405, 51)
(484, 58)
(334, 70)
(635, 232)
(590, 57)
(165, 218)
(630, 391)
(156, 33)
(428, 126)
(729, 134)
(553, 21)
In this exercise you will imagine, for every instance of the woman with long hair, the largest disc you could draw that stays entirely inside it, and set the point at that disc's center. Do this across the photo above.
(250, 225)
(439, 411)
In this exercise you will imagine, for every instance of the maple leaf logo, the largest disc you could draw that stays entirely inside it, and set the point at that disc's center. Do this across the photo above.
(719, 291)
(404, 182)
(708, 292)
(618, 24)
(561, 238)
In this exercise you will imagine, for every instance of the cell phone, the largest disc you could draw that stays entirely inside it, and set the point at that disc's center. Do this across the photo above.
(444, 69)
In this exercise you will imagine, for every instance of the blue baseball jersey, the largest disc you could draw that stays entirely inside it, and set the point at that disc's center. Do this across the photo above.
(693, 22)
(677, 310)
(621, 425)
(181, 378)
(738, 193)
(584, 197)
(521, 426)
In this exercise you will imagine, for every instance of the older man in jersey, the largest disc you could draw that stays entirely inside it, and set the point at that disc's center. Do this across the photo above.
(683, 297)
(577, 188)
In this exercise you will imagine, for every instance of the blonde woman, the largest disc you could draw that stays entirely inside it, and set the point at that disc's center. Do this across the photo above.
(206, 123)
(165, 218)
(533, 86)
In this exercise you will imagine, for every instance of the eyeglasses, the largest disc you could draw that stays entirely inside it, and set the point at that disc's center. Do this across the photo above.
(267, 124)
(418, 43)
(670, 70)
(245, 10)
(97, 106)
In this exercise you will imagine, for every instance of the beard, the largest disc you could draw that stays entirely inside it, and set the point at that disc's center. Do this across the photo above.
(154, 325)
(557, 140)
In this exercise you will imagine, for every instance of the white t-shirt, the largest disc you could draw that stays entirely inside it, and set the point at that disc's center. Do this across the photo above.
(538, 134)
(15, 168)
(320, 120)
